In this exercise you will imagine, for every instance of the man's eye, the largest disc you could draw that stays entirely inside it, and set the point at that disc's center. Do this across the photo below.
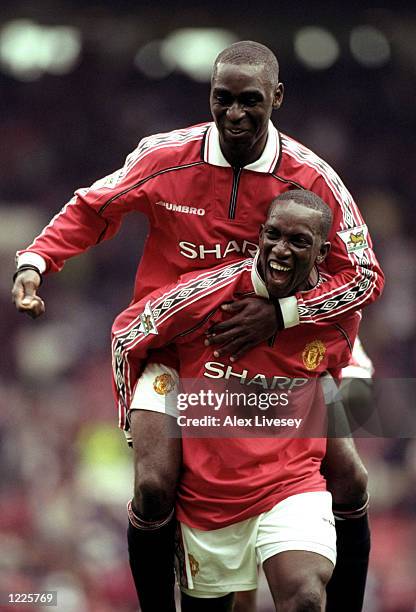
(223, 99)
(300, 242)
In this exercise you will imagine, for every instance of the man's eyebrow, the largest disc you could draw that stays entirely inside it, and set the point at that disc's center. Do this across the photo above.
(251, 92)
(306, 235)
(247, 92)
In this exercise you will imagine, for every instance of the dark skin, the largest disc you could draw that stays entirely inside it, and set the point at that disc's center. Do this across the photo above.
(242, 102)
(25, 296)
(291, 245)
(296, 580)
(290, 240)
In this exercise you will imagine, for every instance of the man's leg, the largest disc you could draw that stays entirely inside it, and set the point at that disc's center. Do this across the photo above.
(199, 604)
(347, 481)
(157, 462)
(297, 580)
(245, 601)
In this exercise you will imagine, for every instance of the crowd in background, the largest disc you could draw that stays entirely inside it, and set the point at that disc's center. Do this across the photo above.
(64, 467)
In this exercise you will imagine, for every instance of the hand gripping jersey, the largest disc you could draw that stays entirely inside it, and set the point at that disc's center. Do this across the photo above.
(226, 480)
(202, 212)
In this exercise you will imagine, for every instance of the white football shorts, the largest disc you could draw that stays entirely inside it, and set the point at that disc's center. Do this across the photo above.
(156, 390)
(211, 564)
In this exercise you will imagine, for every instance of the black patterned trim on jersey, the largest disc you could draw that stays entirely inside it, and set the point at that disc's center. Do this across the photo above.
(162, 309)
(326, 306)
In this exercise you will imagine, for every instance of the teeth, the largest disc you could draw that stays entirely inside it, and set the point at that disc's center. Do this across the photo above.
(276, 266)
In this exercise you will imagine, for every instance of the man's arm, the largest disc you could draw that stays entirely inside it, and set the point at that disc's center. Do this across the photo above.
(167, 315)
(354, 278)
(92, 215)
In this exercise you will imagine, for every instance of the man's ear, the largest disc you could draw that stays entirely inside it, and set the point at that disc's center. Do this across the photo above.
(261, 230)
(323, 252)
(278, 96)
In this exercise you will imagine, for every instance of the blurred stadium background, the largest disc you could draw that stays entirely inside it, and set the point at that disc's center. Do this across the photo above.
(81, 82)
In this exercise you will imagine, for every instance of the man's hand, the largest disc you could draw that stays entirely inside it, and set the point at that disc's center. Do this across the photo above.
(24, 293)
(254, 321)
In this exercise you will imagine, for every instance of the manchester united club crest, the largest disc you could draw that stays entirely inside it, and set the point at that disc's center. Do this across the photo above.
(313, 353)
(163, 384)
(194, 565)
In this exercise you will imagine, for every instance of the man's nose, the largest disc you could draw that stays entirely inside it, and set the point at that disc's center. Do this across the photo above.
(281, 248)
(235, 112)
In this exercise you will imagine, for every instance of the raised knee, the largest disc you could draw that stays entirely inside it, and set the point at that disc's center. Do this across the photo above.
(306, 599)
(354, 490)
(361, 480)
(304, 591)
(153, 496)
(349, 484)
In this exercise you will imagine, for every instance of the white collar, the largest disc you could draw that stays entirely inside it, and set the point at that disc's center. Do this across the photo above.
(259, 285)
(266, 162)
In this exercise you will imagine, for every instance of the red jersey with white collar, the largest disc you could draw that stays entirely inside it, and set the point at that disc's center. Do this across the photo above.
(226, 480)
(202, 212)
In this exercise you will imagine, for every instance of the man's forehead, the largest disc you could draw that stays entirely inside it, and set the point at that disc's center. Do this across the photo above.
(226, 73)
(290, 210)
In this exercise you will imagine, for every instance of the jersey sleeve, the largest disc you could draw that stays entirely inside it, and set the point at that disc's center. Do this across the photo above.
(168, 315)
(355, 277)
(93, 214)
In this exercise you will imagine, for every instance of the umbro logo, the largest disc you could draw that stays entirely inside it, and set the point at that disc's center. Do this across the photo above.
(182, 208)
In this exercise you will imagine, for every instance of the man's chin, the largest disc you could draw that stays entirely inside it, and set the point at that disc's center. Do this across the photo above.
(238, 142)
(278, 288)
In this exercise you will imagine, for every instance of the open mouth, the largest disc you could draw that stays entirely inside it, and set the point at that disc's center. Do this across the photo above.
(276, 266)
(278, 271)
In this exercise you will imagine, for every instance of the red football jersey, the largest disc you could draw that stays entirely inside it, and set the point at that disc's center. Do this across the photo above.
(201, 212)
(229, 479)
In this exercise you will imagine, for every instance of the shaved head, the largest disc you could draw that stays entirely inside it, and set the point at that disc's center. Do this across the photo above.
(293, 240)
(253, 54)
(309, 200)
